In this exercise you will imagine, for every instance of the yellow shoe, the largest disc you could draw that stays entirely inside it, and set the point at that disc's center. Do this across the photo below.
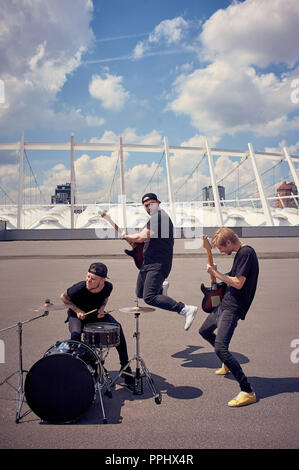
(224, 370)
(243, 399)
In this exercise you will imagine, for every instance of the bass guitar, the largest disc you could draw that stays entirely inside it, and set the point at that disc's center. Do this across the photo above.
(137, 248)
(212, 295)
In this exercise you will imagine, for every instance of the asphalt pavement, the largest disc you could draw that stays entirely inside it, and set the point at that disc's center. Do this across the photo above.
(193, 413)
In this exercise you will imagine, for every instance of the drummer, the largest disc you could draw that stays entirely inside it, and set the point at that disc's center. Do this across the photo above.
(93, 294)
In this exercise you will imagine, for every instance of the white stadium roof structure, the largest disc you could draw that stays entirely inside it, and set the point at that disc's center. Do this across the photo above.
(258, 208)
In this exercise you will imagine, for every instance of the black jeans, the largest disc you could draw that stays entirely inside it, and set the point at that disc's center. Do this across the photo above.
(225, 321)
(149, 288)
(76, 327)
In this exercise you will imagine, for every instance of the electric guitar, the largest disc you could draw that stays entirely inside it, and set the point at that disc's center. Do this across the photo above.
(137, 248)
(212, 295)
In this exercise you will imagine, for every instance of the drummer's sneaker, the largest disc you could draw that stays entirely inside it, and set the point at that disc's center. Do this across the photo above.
(189, 311)
(223, 370)
(244, 398)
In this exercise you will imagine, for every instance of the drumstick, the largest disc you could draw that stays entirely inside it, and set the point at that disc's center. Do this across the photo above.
(91, 311)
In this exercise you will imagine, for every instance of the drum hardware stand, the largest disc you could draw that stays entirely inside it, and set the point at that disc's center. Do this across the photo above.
(20, 390)
(138, 377)
(103, 380)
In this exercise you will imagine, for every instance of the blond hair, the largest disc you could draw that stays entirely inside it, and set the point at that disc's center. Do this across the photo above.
(222, 235)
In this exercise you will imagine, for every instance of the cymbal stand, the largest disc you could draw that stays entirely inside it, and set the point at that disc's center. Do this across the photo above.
(20, 389)
(140, 366)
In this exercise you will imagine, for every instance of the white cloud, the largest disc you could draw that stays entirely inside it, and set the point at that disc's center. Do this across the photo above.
(259, 32)
(219, 100)
(109, 90)
(293, 149)
(168, 33)
(229, 94)
(94, 177)
(130, 136)
(39, 50)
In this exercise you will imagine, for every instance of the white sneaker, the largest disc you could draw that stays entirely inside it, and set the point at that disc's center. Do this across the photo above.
(189, 311)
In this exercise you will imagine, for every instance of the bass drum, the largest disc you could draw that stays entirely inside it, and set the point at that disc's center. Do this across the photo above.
(60, 387)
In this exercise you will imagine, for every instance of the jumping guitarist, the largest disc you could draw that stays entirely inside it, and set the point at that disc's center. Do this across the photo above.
(158, 241)
(241, 286)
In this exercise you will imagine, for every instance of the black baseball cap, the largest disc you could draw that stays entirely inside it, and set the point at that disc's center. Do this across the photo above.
(100, 269)
(148, 197)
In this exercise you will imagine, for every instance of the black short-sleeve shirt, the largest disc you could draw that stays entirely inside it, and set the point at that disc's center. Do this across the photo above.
(158, 249)
(245, 264)
(86, 300)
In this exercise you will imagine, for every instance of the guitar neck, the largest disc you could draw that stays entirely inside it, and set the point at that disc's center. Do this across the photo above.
(115, 226)
(210, 259)
(211, 262)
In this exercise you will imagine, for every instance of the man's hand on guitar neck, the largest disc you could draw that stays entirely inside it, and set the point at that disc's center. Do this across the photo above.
(211, 268)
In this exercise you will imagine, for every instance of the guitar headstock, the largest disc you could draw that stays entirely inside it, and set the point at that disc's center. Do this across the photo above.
(206, 243)
(102, 213)
(105, 215)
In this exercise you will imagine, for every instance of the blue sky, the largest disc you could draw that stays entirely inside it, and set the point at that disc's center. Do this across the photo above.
(145, 69)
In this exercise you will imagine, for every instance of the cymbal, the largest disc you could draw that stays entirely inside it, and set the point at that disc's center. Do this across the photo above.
(50, 307)
(136, 309)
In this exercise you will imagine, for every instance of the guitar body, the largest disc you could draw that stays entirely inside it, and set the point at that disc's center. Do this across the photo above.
(212, 296)
(137, 254)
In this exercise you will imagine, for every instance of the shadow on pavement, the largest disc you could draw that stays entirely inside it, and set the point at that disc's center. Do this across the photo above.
(119, 397)
(265, 387)
(207, 360)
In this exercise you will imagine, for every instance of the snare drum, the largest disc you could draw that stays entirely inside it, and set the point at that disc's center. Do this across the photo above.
(60, 387)
(101, 335)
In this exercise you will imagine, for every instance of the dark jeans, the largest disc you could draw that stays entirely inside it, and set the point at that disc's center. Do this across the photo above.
(225, 321)
(149, 288)
(76, 327)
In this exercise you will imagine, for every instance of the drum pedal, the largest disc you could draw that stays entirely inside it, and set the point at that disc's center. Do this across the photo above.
(108, 393)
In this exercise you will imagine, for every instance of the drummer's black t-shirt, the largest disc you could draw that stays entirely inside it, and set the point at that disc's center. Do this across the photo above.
(86, 300)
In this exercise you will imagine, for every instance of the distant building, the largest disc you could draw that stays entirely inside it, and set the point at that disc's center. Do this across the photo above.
(286, 189)
(62, 194)
(207, 194)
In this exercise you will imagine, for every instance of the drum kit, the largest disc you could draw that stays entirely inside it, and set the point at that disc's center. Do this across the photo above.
(63, 384)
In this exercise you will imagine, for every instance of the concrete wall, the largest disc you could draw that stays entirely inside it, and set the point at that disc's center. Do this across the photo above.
(91, 234)
(2, 230)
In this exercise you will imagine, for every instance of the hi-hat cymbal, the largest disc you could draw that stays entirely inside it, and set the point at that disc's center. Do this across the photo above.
(50, 307)
(136, 309)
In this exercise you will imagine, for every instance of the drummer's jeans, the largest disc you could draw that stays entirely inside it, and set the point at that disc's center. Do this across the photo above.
(76, 327)
(225, 321)
(149, 288)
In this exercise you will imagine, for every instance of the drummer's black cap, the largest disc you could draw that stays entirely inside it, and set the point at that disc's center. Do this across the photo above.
(100, 269)
(149, 197)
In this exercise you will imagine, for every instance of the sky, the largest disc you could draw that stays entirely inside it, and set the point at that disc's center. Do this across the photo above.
(142, 70)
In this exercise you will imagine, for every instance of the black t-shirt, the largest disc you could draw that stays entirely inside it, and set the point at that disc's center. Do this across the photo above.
(86, 300)
(158, 249)
(245, 264)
